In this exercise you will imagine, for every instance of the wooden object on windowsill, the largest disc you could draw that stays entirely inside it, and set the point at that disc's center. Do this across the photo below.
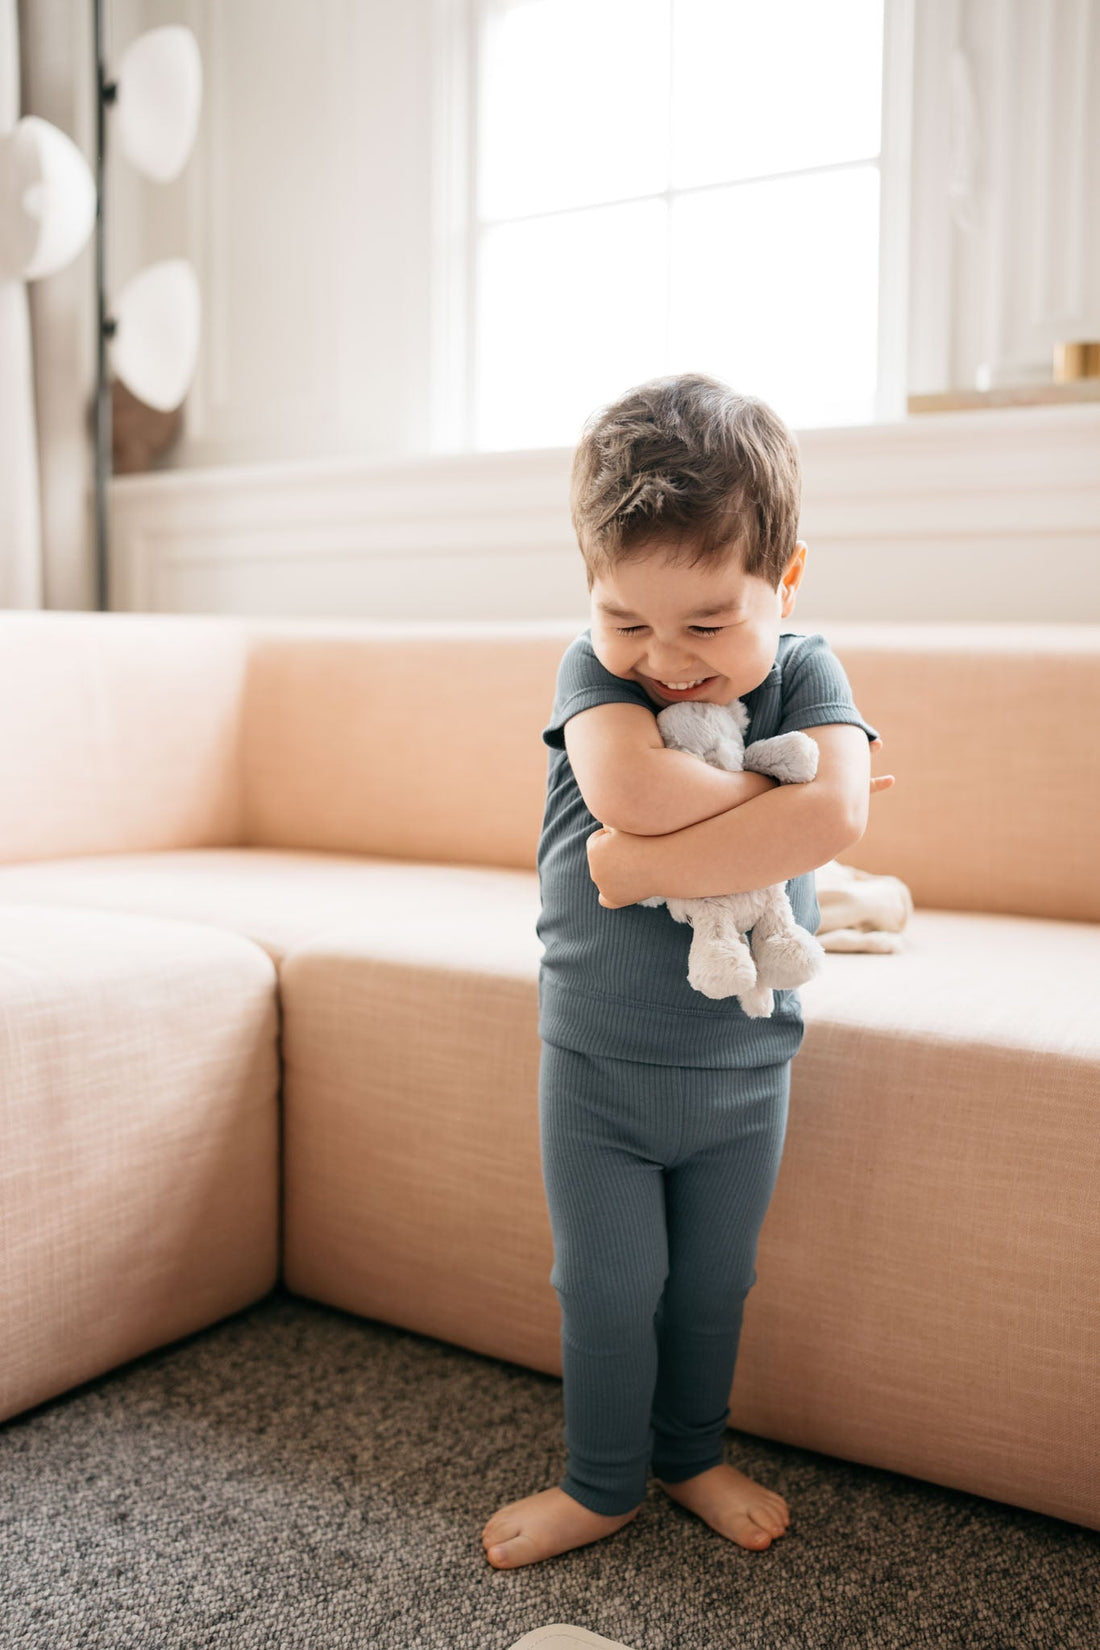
(1023, 395)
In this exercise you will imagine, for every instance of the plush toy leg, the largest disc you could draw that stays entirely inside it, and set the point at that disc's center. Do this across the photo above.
(785, 954)
(719, 963)
(758, 1002)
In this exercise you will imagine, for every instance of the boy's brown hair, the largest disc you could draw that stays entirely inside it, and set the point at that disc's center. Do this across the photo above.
(686, 460)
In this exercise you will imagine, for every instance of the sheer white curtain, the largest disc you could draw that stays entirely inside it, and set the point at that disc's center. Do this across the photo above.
(20, 522)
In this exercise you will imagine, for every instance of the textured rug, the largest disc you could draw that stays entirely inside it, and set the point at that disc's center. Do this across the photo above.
(296, 1477)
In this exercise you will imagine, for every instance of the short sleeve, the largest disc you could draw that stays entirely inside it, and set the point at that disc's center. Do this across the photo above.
(815, 689)
(583, 682)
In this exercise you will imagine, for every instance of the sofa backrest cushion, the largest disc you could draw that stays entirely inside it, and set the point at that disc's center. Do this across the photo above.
(129, 732)
(417, 741)
(119, 732)
(990, 729)
(992, 732)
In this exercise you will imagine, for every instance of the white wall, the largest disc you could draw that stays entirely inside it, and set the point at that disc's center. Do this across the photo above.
(305, 210)
(309, 207)
(987, 515)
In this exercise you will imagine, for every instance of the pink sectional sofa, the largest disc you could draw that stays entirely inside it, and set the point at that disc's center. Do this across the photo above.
(268, 972)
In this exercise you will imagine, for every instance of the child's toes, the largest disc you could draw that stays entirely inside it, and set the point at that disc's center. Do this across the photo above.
(751, 1533)
(497, 1537)
(515, 1550)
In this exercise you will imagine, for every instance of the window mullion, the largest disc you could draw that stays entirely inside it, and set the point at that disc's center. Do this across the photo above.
(458, 348)
(667, 351)
(452, 274)
(472, 34)
(895, 160)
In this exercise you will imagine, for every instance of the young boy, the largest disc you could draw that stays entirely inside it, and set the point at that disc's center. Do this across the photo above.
(663, 1112)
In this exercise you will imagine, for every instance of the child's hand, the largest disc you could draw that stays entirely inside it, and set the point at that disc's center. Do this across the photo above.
(882, 781)
(609, 866)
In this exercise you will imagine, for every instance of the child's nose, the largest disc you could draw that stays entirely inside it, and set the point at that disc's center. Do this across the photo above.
(666, 671)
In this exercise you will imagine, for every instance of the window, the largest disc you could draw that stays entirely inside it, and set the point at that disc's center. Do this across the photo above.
(671, 185)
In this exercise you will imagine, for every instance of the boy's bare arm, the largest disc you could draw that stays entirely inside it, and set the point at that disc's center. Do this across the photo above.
(630, 781)
(675, 789)
(779, 834)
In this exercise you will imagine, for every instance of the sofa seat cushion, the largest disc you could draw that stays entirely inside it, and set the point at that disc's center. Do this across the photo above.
(933, 1242)
(139, 1139)
(976, 978)
(931, 1245)
(973, 978)
(279, 898)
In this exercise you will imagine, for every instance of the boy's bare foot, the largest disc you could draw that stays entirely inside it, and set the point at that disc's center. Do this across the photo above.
(734, 1505)
(544, 1524)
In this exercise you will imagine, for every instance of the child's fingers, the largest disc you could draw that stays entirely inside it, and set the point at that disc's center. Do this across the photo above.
(881, 782)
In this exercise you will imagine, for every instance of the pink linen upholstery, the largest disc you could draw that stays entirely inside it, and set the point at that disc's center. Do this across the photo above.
(933, 1242)
(150, 731)
(118, 735)
(991, 730)
(420, 742)
(139, 1121)
(361, 803)
(281, 898)
(928, 1297)
(985, 725)
(412, 1190)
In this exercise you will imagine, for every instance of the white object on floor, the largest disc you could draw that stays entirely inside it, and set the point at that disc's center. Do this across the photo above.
(560, 1636)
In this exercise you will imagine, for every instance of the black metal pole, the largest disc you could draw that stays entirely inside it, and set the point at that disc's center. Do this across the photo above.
(104, 94)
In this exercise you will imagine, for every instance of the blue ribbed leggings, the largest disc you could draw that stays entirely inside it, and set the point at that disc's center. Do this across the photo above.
(657, 1180)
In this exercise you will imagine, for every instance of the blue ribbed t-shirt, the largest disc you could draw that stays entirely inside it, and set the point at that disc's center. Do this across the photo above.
(614, 982)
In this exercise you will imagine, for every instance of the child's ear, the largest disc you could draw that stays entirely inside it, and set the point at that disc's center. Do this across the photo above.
(792, 577)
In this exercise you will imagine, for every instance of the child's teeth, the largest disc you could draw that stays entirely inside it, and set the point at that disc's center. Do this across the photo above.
(680, 686)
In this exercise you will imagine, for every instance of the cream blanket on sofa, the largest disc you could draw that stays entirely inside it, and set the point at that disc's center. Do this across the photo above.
(860, 911)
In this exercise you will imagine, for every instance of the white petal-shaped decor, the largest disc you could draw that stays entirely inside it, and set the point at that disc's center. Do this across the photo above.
(47, 200)
(156, 343)
(158, 100)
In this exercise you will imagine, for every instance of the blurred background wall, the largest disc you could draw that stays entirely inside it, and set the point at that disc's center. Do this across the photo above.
(431, 237)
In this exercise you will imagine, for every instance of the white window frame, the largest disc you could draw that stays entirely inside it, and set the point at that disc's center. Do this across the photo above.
(455, 31)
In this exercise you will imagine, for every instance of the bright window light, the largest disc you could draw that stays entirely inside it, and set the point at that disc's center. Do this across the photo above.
(776, 87)
(574, 108)
(571, 311)
(674, 185)
(775, 289)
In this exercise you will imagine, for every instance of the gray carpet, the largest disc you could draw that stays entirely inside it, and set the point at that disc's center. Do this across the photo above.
(298, 1477)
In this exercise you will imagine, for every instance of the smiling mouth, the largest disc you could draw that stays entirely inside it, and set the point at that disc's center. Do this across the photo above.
(668, 690)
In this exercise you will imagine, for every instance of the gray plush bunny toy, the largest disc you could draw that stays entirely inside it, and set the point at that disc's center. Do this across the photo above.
(721, 962)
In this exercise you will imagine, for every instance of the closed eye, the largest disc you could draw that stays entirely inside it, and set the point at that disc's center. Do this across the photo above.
(702, 629)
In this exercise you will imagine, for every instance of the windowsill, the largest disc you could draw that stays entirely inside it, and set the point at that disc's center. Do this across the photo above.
(475, 474)
(1022, 395)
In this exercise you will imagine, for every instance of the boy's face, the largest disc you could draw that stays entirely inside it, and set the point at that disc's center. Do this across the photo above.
(661, 634)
